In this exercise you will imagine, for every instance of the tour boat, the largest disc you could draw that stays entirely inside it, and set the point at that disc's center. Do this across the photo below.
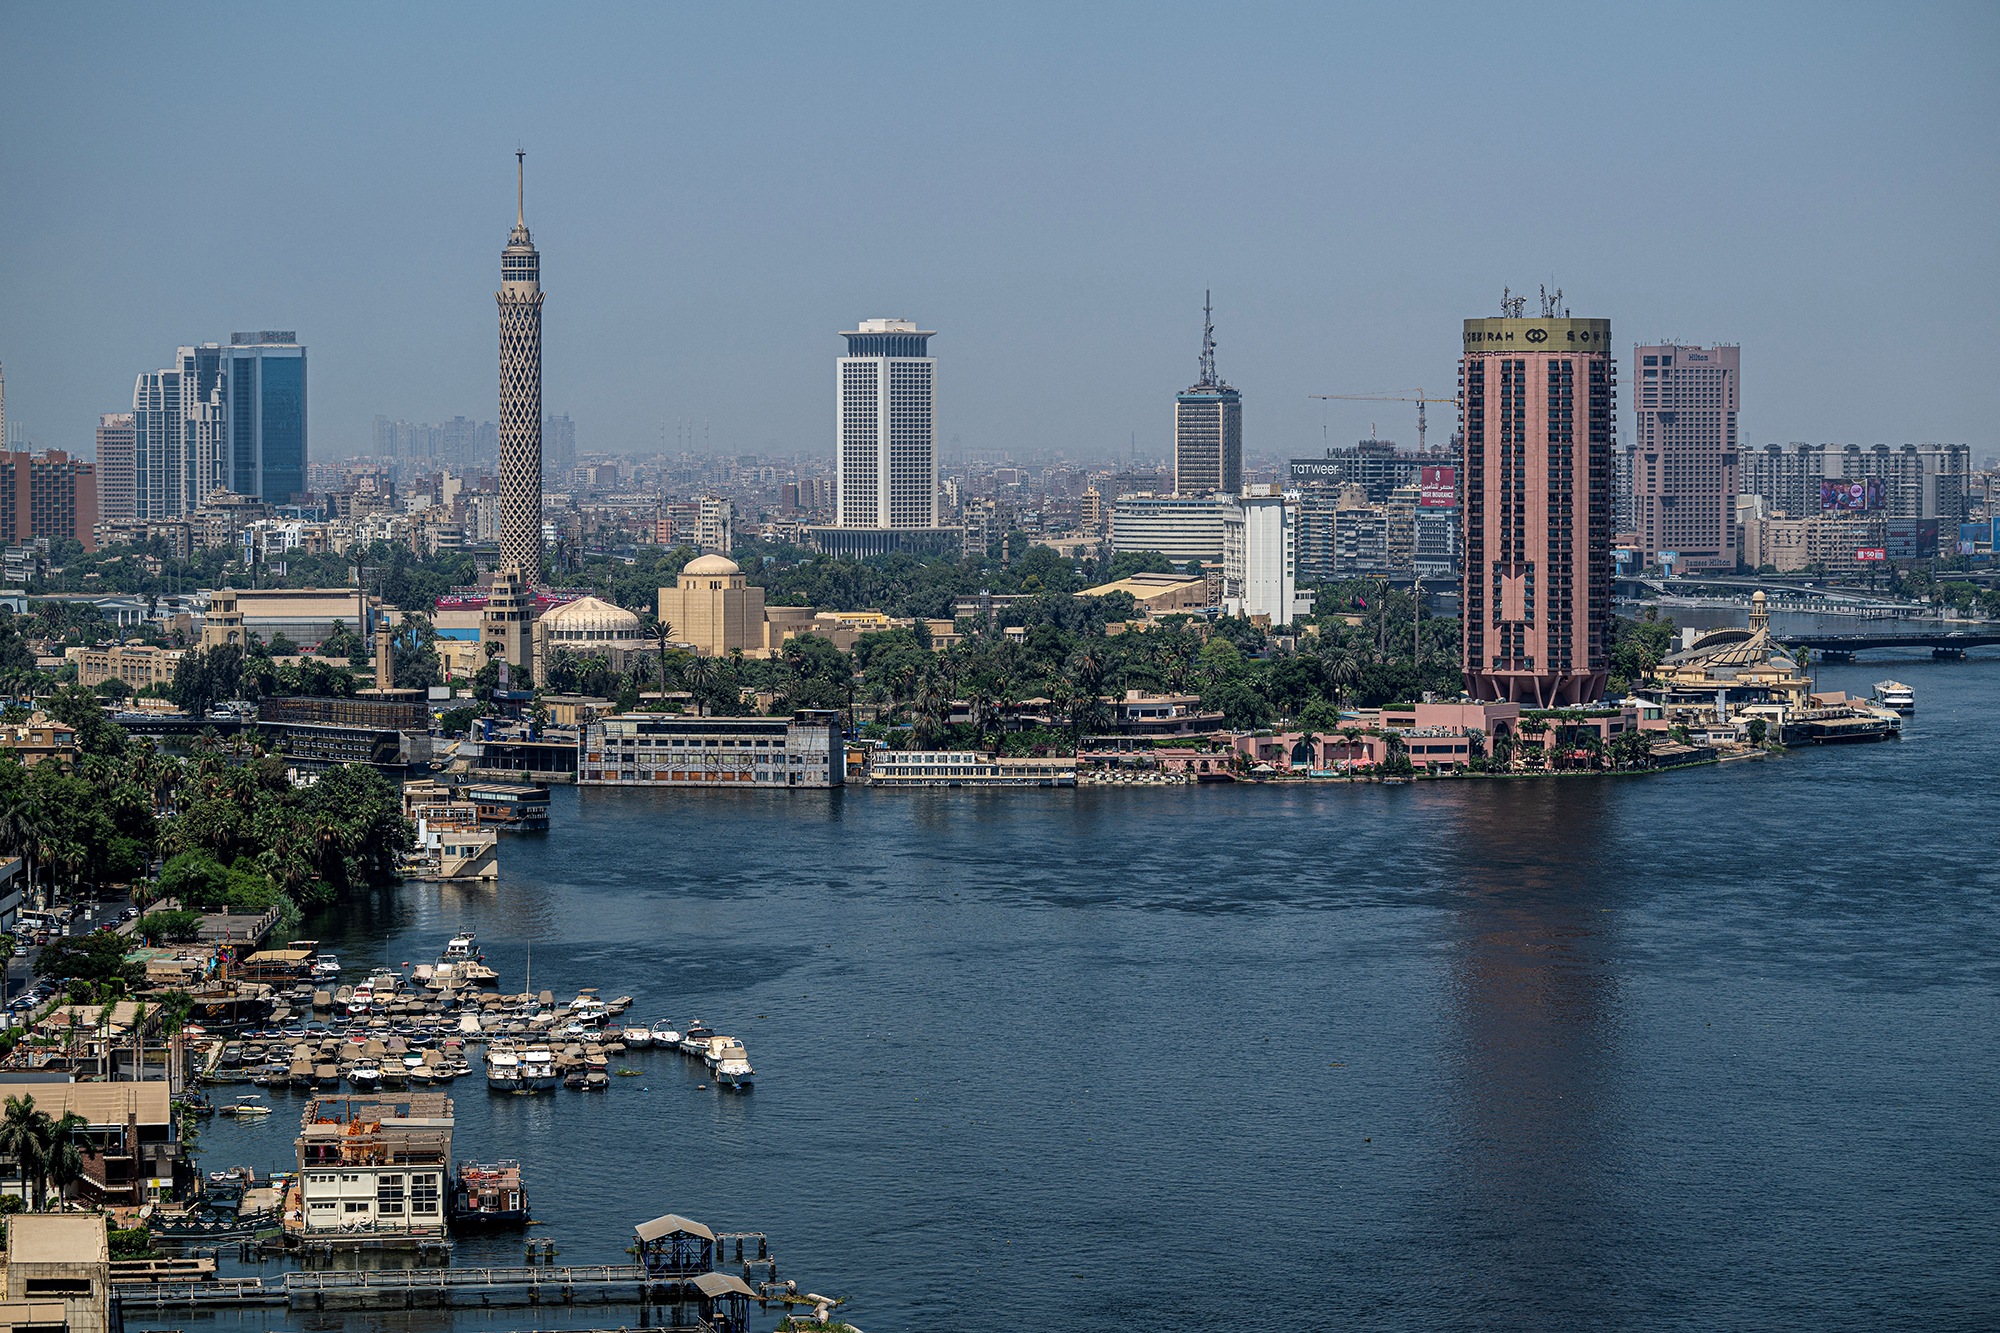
(1894, 694)
(503, 1071)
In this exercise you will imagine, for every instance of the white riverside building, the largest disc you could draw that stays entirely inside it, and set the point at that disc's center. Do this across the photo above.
(1260, 555)
(641, 749)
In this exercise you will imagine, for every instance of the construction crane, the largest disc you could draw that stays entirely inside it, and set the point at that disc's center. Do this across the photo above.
(1419, 400)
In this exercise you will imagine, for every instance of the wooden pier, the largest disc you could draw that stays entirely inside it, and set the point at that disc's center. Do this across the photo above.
(409, 1289)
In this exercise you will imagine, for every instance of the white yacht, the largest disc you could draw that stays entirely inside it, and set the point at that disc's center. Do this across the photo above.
(327, 967)
(664, 1035)
(538, 1069)
(459, 949)
(734, 1069)
(503, 1071)
(1894, 694)
(364, 1076)
(720, 1049)
(637, 1038)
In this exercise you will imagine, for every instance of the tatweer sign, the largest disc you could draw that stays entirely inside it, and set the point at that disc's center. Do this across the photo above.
(1437, 487)
(1538, 335)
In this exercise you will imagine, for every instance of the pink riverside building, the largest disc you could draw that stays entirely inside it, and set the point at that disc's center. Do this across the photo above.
(1684, 404)
(1538, 397)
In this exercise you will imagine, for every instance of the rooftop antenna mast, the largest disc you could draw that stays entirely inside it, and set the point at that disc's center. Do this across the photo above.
(1511, 306)
(1207, 339)
(1552, 306)
(520, 187)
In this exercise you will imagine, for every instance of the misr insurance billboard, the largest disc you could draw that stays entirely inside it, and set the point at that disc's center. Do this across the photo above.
(1437, 487)
(1857, 496)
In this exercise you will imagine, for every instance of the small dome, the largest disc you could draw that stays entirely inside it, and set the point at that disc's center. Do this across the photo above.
(589, 615)
(711, 564)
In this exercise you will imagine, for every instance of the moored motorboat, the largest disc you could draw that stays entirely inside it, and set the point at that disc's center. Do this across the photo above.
(538, 1069)
(665, 1036)
(733, 1070)
(503, 1070)
(245, 1108)
(637, 1038)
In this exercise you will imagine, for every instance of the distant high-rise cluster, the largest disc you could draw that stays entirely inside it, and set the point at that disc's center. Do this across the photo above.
(520, 462)
(218, 419)
(1208, 427)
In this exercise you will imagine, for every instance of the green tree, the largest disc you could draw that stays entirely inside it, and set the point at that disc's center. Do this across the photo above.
(96, 958)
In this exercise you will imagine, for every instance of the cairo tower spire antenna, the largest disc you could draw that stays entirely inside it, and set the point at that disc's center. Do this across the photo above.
(520, 298)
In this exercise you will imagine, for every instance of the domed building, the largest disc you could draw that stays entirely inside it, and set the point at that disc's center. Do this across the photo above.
(713, 607)
(589, 627)
(1736, 666)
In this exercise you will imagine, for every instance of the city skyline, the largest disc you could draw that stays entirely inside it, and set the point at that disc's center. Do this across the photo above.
(1327, 255)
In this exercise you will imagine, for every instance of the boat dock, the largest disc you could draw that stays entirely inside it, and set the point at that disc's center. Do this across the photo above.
(411, 1289)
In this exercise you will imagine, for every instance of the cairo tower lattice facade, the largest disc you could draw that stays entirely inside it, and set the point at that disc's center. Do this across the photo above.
(520, 479)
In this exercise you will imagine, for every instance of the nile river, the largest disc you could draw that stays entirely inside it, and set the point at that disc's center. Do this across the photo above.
(1711, 1049)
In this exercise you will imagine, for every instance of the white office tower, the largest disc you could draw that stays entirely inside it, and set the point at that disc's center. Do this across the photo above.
(1260, 554)
(887, 431)
(180, 433)
(520, 463)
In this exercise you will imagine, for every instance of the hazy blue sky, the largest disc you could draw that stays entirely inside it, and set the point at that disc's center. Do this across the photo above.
(717, 190)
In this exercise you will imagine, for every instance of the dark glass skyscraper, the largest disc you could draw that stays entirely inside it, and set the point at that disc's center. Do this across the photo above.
(264, 375)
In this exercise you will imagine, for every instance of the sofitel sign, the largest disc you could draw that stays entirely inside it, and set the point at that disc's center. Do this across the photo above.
(1539, 335)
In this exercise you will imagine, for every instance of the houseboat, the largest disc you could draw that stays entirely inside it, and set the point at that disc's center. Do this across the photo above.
(489, 1194)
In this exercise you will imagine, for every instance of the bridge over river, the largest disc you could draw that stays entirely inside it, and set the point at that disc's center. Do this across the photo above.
(1952, 643)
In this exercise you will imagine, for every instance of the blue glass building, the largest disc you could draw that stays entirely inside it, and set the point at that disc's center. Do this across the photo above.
(265, 403)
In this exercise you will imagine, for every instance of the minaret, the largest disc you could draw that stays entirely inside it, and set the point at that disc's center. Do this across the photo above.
(520, 297)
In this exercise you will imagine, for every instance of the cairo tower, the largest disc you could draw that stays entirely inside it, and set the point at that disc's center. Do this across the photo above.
(520, 297)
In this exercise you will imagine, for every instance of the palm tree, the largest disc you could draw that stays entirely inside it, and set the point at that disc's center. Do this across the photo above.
(22, 1138)
(64, 1160)
(979, 705)
(23, 827)
(698, 675)
(1340, 669)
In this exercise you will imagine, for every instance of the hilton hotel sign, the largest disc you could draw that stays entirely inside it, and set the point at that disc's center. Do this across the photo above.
(1583, 336)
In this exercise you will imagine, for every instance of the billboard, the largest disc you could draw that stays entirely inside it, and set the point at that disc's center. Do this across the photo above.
(1437, 487)
(1912, 538)
(1871, 553)
(1857, 496)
